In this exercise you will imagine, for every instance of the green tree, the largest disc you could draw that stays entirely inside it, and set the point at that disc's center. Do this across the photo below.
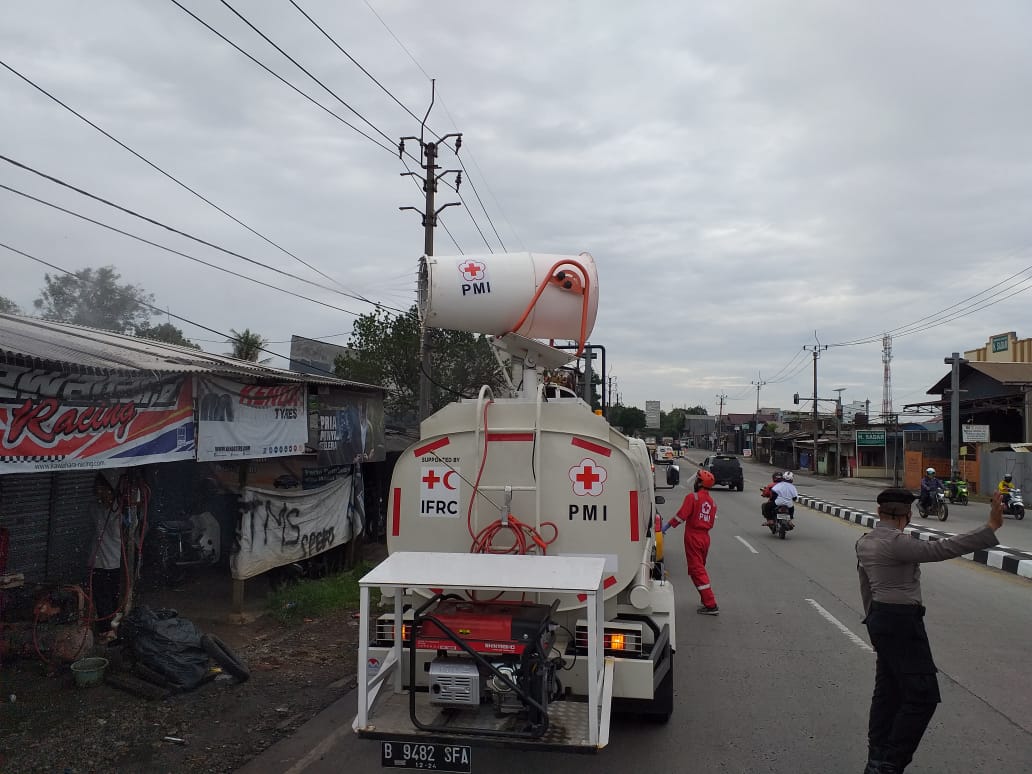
(697, 411)
(7, 306)
(629, 419)
(247, 345)
(387, 353)
(165, 332)
(96, 298)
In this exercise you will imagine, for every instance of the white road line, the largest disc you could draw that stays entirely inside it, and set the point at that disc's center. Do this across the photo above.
(744, 543)
(841, 626)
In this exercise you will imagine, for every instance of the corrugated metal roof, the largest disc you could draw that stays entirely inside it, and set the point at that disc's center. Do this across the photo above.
(1004, 373)
(34, 343)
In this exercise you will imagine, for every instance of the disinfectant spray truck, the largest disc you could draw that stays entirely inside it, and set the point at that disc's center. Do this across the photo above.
(523, 601)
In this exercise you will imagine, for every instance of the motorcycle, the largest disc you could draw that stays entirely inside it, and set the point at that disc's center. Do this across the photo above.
(1016, 505)
(939, 509)
(782, 522)
(957, 492)
(180, 544)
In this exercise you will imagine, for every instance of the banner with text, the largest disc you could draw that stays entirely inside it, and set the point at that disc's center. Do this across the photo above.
(57, 421)
(244, 421)
(278, 528)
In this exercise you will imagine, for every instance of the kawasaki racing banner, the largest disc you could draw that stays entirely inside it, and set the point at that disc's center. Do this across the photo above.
(58, 421)
(245, 421)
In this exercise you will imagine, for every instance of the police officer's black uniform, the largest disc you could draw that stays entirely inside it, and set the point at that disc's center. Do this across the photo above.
(906, 690)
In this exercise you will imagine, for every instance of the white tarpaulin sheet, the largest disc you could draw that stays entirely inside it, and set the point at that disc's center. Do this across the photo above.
(278, 528)
(244, 421)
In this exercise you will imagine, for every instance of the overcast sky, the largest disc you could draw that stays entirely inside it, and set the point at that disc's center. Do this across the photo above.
(750, 177)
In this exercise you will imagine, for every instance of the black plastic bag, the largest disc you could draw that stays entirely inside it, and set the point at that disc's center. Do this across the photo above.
(168, 644)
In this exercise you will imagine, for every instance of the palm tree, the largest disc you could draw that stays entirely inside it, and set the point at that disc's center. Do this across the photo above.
(247, 345)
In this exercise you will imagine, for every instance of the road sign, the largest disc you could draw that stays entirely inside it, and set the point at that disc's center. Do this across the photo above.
(870, 437)
(652, 414)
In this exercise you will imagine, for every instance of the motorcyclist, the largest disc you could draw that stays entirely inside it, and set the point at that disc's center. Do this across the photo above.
(785, 493)
(929, 486)
(767, 509)
(953, 486)
(1005, 487)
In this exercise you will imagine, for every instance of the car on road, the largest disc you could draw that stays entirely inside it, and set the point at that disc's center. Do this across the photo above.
(665, 455)
(726, 470)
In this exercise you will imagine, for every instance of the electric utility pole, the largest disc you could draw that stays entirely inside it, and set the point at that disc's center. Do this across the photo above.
(816, 350)
(838, 430)
(428, 151)
(956, 361)
(719, 445)
(755, 419)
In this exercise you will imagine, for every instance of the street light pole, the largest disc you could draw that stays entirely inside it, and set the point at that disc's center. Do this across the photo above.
(755, 419)
(838, 430)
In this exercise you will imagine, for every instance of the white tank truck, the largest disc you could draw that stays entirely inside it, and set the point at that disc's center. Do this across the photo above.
(524, 565)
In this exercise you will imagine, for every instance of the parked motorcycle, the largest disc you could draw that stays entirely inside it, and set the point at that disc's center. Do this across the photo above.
(1016, 506)
(181, 544)
(939, 508)
(957, 492)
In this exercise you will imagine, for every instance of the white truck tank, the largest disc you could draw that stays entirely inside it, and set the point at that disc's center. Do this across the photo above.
(558, 475)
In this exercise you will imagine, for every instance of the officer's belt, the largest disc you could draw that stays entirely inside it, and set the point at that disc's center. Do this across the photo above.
(916, 611)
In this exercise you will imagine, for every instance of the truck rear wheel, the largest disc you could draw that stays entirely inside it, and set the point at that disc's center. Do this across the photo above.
(663, 701)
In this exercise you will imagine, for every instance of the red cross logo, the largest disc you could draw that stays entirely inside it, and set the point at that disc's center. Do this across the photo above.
(587, 478)
(431, 478)
(472, 270)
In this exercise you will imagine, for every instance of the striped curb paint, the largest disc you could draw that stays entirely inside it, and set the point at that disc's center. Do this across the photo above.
(1003, 558)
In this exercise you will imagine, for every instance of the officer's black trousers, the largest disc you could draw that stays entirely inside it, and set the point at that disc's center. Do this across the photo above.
(906, 691)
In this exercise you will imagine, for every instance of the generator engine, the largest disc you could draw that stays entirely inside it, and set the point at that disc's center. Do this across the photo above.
(510, 662)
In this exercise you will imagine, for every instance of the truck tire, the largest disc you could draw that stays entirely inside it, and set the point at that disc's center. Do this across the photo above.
(663, 702)
(221, 654)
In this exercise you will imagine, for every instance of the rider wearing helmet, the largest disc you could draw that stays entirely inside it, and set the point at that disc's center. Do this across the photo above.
(697, 513)
(785, 493)
(767, 509)
(1005, 488)
(929, 486)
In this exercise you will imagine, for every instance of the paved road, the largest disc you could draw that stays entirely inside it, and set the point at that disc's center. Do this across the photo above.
(781, 680)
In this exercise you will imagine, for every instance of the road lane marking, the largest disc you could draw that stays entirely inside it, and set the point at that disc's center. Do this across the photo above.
(841, 626)
(744, 543)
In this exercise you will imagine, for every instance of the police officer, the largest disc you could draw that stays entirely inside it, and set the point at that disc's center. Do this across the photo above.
(905, 687)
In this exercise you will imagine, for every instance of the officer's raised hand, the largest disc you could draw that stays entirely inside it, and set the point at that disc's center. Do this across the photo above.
(996, 511)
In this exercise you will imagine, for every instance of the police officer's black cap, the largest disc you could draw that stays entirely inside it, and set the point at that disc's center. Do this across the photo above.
(894, 495)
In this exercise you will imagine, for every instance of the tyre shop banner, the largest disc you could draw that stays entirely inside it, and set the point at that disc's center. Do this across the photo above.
(59, 421)
(244, 421)
(278, 528)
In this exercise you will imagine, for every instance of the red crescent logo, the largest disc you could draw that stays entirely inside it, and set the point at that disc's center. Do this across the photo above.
(446, 478)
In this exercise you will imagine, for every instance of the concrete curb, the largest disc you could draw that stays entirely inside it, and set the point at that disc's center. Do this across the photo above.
(1001, 557)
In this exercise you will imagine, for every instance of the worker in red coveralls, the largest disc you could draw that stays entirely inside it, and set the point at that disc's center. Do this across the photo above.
(697, 513)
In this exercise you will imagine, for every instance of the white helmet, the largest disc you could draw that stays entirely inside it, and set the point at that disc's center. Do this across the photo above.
(787, 476)
(929, 471)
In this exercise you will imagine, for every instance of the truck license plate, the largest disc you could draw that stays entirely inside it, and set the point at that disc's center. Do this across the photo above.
(427, 757)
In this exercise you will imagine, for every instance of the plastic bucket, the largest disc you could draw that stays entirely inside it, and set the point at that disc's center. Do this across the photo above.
(89, 671)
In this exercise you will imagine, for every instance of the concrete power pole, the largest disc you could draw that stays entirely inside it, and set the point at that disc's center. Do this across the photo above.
(956, 361)
(816, 350)
(719, 443)
(755, 420)
(838, 430)
(429, 213)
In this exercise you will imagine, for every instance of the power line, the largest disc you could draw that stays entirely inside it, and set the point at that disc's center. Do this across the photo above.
(175, 252)
(171, 177)
(226, 337)
(303, 69)
(461, 164)
(174, 230)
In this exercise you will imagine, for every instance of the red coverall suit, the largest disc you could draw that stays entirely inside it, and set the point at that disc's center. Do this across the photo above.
(697, 513)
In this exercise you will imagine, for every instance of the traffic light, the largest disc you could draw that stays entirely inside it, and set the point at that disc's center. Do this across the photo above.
(795, 398)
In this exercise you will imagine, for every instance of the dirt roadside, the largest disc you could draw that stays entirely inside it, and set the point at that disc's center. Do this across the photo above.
(296, 672)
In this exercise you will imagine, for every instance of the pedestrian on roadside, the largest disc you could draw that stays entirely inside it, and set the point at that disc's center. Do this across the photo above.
(106, 561)
(906, 690)
(697, 513)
